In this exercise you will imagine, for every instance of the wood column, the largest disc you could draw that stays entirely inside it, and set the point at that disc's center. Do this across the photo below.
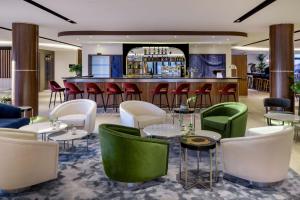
(240, 61)
(281, 61)
(25, 65)
(79, 56)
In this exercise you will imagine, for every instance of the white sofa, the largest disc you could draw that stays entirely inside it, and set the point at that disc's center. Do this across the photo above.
(265, 130)
(25, 161)
(140, 114)
(262, 159)
(80, 113)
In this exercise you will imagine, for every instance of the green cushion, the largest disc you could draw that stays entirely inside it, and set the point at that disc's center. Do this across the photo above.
(216, 122)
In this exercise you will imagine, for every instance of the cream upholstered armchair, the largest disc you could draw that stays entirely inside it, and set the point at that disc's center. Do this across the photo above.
(80, 113)
(25, 161)
(262, 159)
(139, 114)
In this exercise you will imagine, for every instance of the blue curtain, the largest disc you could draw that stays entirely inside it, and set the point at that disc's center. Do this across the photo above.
(206, 64)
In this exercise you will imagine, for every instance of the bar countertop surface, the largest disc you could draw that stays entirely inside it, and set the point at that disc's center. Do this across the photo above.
(149, 79)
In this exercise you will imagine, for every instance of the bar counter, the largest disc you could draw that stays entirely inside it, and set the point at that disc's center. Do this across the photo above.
(146, 85)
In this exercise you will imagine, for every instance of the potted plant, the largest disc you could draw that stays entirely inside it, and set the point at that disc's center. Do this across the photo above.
(5, 99)
(261, 65)
(77, 69)
(295, 87)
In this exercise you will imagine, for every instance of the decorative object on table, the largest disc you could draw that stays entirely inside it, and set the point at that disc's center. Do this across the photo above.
(229, 119)
(261, 65)
(139, 114)
(260, 160)
(6, 99)
(149, 162)
(25, 161)
(81, 113)
(197, 143)
(11, 117)
(77, 68)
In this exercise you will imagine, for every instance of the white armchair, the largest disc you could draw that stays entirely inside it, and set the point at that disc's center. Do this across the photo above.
(80, 113)
(262, 159)
(140, 114)
(24, 161)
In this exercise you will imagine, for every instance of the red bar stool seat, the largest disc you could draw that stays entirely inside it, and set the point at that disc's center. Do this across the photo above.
(203, 92)
(72, 89)
(114, 90)
(182, 90)
(131, 89)
(228, 90)
(55, 87)
(161, 89)
(93, 89)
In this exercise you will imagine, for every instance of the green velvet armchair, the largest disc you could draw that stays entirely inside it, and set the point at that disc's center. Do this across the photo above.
(229, 119)
(128, 157)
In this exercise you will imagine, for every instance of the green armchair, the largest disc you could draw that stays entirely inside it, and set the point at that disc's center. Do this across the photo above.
(127, 157)
(229, 119)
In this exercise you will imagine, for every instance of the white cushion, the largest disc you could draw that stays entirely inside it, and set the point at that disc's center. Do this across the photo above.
(146, 120)
(265, 130)
(75, 119)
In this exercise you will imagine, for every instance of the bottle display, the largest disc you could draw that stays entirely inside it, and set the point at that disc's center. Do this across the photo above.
(156, 61)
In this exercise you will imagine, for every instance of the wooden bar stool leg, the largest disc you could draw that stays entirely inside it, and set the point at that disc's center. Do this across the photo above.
(210, 99)
(173, 102)
(60, 97)
(54, 98)
(160, 100)
(153, 98)
(103, 103)
(167, 101)
(50, 99)
(107, 98)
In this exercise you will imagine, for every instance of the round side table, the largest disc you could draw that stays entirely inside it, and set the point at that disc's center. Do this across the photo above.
(196, 143)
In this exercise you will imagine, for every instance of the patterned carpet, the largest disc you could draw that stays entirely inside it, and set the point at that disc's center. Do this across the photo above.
(81, 176)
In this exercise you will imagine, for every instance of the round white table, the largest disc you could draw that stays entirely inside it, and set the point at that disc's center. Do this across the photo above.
(284, 117)
(174, 130)
(69, 136)
(44, 128)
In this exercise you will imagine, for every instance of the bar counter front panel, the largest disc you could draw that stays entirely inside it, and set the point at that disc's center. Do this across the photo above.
(147, 85)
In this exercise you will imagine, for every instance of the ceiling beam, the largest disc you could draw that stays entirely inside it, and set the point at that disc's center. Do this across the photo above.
(254, 10)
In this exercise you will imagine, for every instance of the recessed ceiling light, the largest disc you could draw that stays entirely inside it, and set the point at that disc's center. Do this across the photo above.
(175, 36)
(127, 36)
(227, 39)
(213, 37)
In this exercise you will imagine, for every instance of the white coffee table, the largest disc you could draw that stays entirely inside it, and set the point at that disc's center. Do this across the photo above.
(284, 117)
(67, 136)
(44, 128)
(174, 130)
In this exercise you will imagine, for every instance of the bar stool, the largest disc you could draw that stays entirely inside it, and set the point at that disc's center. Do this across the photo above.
(55, 87)
(182, 90)
(227, 90)
(93, 89)
(114, 90)
(72, 89)
(266, 85)
(161, 89)
(131, 89)
(203, 91)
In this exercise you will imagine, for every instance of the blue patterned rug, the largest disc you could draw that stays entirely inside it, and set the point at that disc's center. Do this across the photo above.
(81, 176)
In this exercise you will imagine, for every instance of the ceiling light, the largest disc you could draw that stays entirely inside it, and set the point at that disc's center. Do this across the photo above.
(213, 37)
(175, 36)
(127, 36)
(60, 46)
(227, 39)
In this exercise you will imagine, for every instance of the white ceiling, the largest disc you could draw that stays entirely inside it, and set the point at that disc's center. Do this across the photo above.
(145, 15)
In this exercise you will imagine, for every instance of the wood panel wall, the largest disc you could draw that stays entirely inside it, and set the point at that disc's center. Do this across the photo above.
(241, 63)
(5, 63)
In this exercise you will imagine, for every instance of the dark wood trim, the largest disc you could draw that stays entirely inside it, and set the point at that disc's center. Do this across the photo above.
(49, 11)
(258, 8)
(215, 33)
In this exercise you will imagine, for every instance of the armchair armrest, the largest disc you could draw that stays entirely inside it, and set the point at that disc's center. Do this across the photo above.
(8, 111)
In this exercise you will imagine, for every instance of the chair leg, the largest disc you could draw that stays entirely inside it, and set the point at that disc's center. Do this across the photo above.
(95, 98)
(167, 101)
(173, 102)
(107, 98)
(54, 98)
(60, 97)
(88, 96)
(103, 103)
(153, 98)
(210, 99)
(234, 97)
(67, 97)
(160, 100)
(114, 102)
(140, 97)
(201, 103)
(81, 95)
(74, 96)
(121, 98)
(50, 99)
(126, 97)
(220, 98)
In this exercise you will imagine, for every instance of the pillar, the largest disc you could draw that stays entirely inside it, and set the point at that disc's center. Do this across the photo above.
(281, 61)
(24, 65)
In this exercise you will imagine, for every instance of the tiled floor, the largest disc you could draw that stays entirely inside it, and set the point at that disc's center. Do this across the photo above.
(255, 118)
